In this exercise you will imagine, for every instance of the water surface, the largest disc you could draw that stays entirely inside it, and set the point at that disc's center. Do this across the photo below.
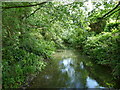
(70, 69)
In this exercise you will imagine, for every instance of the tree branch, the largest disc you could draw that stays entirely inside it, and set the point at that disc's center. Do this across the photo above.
(111, 10)
(33, 12)
(26, 5)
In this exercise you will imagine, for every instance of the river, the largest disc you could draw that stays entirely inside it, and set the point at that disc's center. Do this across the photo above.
(71, 69)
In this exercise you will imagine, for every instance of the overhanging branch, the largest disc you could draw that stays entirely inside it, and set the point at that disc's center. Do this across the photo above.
(112, 13)
(26, 5)
(33, 12)
(111, 10)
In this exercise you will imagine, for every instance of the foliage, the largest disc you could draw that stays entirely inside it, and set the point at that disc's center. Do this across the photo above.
(18, 67)
(24, 48)
(104, 48)
(31, 34)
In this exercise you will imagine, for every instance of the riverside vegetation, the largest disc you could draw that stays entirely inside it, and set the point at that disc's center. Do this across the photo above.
(33, 31)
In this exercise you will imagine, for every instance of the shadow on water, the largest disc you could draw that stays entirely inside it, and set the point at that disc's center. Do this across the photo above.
(70, 69)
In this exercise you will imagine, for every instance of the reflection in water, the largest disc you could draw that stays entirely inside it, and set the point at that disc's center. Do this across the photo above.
(47, 77)
(67, 66)
(68, 70)
(92, 83)
(81, 65)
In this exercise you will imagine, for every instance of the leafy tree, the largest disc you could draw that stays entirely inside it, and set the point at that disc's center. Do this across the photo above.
(32, 31)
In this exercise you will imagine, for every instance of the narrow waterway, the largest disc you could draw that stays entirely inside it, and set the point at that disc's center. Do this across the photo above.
(70, 69)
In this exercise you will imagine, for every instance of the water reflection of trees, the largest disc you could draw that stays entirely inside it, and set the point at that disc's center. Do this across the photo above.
(81, 68)
(101, 74)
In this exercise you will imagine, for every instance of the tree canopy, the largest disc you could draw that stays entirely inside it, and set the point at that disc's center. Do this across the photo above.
(33, 31)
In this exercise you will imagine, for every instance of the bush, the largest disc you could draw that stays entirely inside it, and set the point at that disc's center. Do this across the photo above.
(16, 69)
(104, 49)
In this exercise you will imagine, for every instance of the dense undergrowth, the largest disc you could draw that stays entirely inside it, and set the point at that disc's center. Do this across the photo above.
(24, 49)
(30, 37)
